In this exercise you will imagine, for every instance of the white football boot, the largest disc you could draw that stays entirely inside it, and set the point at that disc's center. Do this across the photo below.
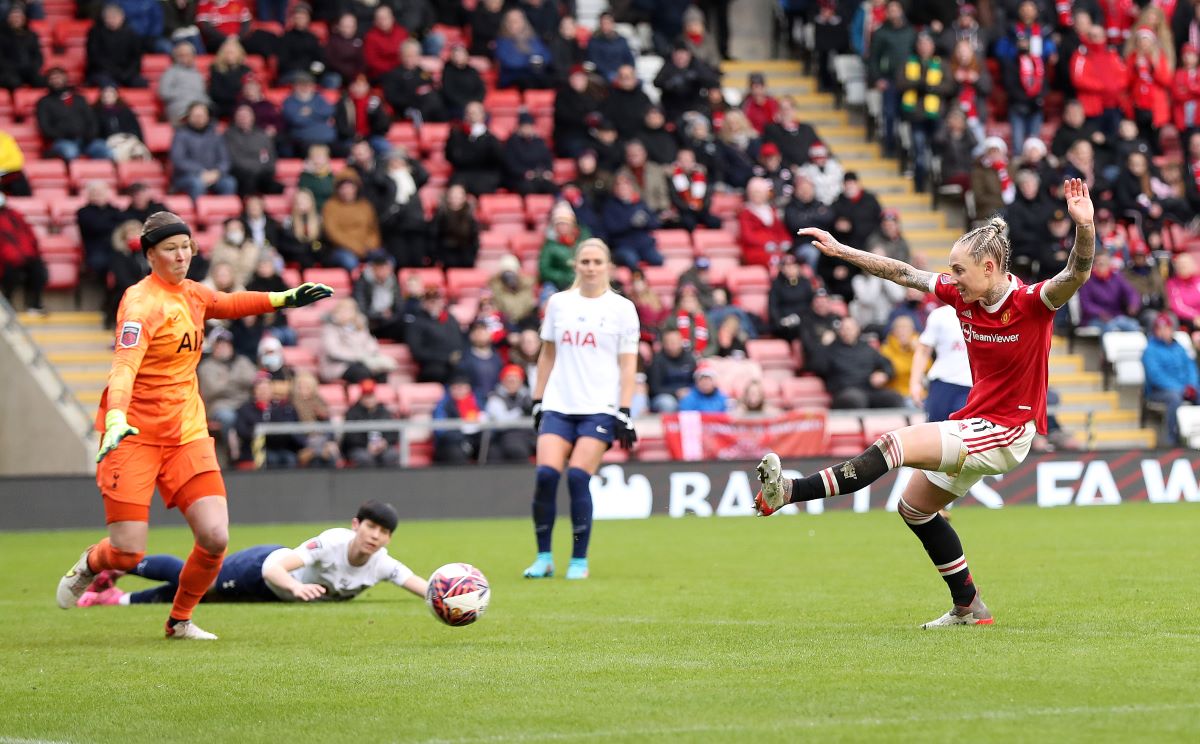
(976, 614)
(776, 491)
(188, 631)
(75, 582)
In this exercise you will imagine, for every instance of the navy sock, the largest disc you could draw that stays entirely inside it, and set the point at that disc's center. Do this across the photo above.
(157, 568)
(544, 495)
(155, 595)
(579, 483)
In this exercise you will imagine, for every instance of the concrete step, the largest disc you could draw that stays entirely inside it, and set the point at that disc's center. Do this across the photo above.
(1124, 439)
(943, 236)
(80, 318)
(1063, 363)
(80, 357)
(1076, 381)
(765, 66)
(1120, 418)
(56, 336)
(89, 398)
(1089, 400)
(917, 219)
(913, 201)
(859, 150)
(84, 377)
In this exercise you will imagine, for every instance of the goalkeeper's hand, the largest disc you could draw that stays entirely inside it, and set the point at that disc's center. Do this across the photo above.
(537, 416)
(625, 434)
(305, 294)
(116, 428)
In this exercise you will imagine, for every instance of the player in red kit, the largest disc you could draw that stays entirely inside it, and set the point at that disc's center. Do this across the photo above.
(1007, 326)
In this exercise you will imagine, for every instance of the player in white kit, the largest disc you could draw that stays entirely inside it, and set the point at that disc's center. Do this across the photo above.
(337, 564)
(1007, 327)
(950, 376)
(585, 385)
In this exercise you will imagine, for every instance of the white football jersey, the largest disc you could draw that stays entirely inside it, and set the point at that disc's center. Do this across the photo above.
(327, 562)
(588, 334)
(944, 334)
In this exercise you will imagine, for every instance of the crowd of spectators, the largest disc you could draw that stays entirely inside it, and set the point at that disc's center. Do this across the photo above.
(325, 84)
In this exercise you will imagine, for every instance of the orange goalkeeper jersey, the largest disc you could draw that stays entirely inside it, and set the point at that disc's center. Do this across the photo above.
(160, 332)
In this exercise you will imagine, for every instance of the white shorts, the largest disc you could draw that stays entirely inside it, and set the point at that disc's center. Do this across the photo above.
(973, 448)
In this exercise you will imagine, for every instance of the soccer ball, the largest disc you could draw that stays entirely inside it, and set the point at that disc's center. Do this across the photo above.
(458, 593)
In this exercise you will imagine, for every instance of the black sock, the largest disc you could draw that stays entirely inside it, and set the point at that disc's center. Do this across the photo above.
(945, 550)
(172, 622)
(851, 475)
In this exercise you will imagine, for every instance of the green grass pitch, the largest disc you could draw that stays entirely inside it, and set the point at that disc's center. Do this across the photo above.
(696, 630)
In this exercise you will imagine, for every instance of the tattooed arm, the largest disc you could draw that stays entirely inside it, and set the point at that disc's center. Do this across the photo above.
(881, 266)
(1059, 289)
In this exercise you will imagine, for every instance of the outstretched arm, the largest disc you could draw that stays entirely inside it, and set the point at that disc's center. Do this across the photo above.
(1059, 288)
(881, 266)
(225, 305)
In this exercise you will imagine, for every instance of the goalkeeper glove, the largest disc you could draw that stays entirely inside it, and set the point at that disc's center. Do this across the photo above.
(625, 435)
(305, 294)
(537, 416)
(116, 428)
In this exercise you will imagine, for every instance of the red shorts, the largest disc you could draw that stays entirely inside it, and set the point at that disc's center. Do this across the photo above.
(183, 473)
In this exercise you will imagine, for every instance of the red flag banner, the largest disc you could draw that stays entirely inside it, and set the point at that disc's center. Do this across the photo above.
(694, 436)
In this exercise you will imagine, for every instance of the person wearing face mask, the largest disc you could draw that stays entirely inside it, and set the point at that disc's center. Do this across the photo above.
(512, 292)
(236, 249)
(270, 359)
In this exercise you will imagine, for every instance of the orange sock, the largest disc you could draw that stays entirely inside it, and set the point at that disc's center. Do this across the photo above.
(103, 556)
(196, 577)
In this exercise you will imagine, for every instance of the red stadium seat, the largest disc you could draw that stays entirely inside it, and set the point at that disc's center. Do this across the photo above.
(43, 174)
(83, 170)
(564, 170)
(63, 274)
(181, 204)
(6, 105)
(503, 127)
(60, 247)
(148, 172)
(299, 358)
(420, 398)
(845, 436)
(502, 103)
(153, 66)
(673, 239)
(64, 208)
(497, 209)
(876, 425)
(527, 244)
(433, 136)
(277, 206)
(704, 241)
(537, 208)
(540, 102)
(431, 277)
(753, 301)
(771, 353)
(403, 133)
(35, 209)
(157, 136)
(748, 278)
(464, 309)
(804, 392)
(726, 205)
(142, 101)
(465, 282)
(339, 279)
(214, 209)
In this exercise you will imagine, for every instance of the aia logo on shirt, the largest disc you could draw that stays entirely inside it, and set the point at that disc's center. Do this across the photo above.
(578, 338)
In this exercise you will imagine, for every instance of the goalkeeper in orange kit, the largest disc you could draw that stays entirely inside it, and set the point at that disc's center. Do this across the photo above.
(154, 424)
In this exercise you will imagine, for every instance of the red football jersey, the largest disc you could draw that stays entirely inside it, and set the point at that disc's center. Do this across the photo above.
(1009, 349)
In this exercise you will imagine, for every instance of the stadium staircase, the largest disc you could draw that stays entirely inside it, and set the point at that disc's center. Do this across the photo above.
(79, 347)
(1085, 406)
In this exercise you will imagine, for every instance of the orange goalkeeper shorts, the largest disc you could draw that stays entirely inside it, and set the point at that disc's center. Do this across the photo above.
(183, 473)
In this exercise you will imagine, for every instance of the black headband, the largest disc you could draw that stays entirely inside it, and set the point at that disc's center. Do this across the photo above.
(159, 234)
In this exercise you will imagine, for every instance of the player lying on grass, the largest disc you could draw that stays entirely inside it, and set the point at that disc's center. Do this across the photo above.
(338, 564)
(1008, 328)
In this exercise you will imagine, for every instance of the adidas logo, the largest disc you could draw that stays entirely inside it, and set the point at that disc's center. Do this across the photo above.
(967, 314)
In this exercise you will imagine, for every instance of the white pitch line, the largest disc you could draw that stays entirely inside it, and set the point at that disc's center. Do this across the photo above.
(987, 715)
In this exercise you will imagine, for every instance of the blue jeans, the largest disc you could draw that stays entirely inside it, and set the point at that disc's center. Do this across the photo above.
(1117, 323)
(891, 110)
(272, 10)
(665, 403)
(1172, 399)
(922, 134)
(194, 186)
(1024, 126)
(70, 149)
(343, 258)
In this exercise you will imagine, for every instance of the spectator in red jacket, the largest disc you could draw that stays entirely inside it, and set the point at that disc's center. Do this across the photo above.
(381, 44)
(20, 261)
(760, 108)
(1149, 101)
(763, 234)
(1099, 76)
(218, 19)
(1186, 90)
